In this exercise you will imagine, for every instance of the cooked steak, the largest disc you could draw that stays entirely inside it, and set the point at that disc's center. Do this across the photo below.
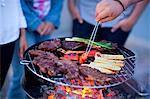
(50, 45)
(68, 45)
(40, 53)
(47, 58)
(46, 63)
(69, 68)
(93, 74)
(35, 53)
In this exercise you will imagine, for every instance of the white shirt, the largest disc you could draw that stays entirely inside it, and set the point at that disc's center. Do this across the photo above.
(11, 19)
(87, 12)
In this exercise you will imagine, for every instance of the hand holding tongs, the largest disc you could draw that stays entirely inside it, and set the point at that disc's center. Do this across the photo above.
(92, 38)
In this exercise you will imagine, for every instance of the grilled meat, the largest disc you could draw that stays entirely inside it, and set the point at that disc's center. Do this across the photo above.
(68, 45)
(35, 53)
(46, 58)
(50, 45)
(69, 68)
(46, 63)
(93, 74)
(40, 53)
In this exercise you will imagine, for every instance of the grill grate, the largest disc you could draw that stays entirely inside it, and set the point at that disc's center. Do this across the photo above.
(122, 76)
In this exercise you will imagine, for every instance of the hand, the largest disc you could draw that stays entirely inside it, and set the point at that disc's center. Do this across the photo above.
(75, 14)
(107, 10)
(40, 28)
(45, 28)
(125, 24)
(23, 43)
(48, 28)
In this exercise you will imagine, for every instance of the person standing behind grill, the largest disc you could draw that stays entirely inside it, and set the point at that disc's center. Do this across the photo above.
(42, 16)
(117, 31)
(12, 24)
(109, 9)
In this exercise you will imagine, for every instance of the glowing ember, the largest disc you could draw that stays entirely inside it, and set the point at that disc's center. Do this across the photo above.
(84, 93)
(65, 92)
(51, 96)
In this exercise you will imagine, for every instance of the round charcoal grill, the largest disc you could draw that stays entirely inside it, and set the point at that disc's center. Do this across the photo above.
(122, 76)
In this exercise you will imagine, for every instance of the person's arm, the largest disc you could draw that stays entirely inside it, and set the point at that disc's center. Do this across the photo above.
(55, 12)
(52, 20)
(107, 10)
(127, 3)
(138, 10)
(33, 21)
(23, 43)
(23, 25)
(74, 11)
(128, 23)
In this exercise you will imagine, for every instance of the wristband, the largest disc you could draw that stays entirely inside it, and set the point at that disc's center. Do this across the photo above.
(120, 4)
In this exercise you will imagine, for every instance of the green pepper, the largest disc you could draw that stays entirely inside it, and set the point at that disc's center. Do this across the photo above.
(102, 44)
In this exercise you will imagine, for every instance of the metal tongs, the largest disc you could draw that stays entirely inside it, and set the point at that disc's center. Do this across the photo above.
(92, 38)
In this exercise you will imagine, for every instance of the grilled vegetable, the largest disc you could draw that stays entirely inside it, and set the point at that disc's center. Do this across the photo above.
(92, 53)
(74, 52)
(71, 57)
(105, 66)
(109, 57)
(83, 58)
(102, 44)
(106, 63)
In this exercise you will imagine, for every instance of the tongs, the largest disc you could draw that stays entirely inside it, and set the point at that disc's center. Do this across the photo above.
(92, 38)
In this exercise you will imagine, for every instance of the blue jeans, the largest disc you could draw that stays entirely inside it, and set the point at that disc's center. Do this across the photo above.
(16, 91)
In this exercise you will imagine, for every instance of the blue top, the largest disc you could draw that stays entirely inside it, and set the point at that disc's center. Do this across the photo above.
(32, 17)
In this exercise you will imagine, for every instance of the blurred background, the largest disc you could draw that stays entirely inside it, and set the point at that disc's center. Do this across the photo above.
(138, 42)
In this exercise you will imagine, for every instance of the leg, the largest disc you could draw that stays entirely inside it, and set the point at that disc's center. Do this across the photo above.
(16, 91)
(81, 30)
(6, 56)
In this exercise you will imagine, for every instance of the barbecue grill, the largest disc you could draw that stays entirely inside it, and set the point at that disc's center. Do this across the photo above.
(32, 72)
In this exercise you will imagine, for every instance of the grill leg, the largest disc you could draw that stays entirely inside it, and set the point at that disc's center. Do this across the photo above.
(137, 90)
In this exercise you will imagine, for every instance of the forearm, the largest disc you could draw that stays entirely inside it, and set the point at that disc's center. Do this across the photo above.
(55, 12)
(127, 3)
(22, 43)
(71, 5)
(134, 1)
(139, 7)
(22, 33)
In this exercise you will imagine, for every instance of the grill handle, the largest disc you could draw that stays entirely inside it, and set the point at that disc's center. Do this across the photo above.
(24, 62)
